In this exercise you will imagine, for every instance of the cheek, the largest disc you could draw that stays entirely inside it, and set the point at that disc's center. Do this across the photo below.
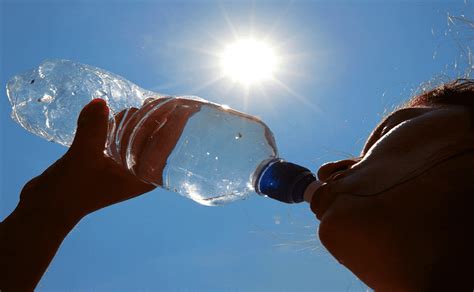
(411, 149)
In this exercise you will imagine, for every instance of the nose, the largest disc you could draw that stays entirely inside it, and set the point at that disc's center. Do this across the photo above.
(328, 169)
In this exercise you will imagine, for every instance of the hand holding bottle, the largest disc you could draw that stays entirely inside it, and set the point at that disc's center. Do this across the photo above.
(155, 138)
(217, 156)
(84, 179)
(204, 151)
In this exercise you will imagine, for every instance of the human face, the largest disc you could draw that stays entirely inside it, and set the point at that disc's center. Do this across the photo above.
(381, 214)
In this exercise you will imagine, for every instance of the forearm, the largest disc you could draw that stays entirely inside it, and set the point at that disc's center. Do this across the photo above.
(29, 239)
(84, 180)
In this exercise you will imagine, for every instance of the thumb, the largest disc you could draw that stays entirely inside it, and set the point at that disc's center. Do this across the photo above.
(92, 126)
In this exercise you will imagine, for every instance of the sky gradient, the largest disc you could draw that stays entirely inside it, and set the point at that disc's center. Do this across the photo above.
(344, 65)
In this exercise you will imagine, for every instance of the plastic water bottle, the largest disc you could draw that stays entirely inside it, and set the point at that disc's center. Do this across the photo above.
(218, 155)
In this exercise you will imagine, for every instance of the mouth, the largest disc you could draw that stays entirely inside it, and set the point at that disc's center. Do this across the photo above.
(320, 201)
(322, 197)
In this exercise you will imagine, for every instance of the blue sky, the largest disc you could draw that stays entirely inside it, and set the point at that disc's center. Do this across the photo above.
(345, 64)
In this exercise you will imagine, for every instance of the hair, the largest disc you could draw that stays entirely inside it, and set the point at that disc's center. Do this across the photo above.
(457, 92)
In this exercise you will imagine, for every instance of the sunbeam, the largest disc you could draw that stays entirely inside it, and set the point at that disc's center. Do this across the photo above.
(298, 96)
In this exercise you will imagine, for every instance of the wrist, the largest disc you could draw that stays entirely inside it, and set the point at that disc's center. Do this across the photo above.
(29, 239)
(58, 218)
(45, 201)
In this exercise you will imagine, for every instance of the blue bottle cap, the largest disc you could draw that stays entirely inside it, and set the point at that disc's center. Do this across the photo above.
(283, 181)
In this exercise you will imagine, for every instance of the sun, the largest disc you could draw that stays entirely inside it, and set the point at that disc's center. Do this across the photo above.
(248, 61)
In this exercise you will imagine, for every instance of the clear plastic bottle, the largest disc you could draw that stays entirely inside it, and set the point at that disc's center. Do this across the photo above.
(204, 151)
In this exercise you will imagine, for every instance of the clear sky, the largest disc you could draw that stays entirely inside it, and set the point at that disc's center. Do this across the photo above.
(343, 65)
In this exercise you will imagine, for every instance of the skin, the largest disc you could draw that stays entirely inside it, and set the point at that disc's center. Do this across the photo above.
(83, 181)
(156, 138)
(399, 216)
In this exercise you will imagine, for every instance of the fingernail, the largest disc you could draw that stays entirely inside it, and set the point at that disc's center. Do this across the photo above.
(97, 100)
(100, 103)
(95, 108)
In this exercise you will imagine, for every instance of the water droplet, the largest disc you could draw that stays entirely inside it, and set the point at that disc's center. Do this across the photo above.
(216, 158)
(207, 153)
(238, 136)
(73, 93)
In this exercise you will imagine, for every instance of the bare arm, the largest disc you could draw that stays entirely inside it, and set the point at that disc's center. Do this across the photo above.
(82, 181)
(29, 239)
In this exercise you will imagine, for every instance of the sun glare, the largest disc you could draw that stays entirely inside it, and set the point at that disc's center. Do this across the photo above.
(248, 61)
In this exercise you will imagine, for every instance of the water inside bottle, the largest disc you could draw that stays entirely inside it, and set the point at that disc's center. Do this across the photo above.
(212, 161)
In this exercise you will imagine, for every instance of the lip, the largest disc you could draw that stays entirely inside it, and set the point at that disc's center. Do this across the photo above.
(322, 200)
(319, 202)
(322, 197)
